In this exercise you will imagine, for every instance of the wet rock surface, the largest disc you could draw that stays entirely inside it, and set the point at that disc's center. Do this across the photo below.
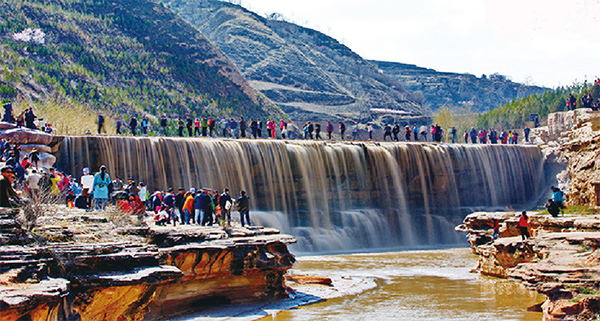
(101, 272)
(560, 260)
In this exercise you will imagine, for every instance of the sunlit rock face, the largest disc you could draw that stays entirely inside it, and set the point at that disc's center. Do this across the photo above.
(560, 260)
(330, 195)
(145, 276)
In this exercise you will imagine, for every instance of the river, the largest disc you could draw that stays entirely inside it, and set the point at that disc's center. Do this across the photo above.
(414, 285)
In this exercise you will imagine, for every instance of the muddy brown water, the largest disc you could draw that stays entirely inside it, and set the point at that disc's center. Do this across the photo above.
(416, 285)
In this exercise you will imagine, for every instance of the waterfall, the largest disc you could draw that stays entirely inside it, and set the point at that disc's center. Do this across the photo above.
(330, 195)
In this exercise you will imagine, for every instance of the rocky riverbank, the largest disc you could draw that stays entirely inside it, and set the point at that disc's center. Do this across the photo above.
(75, 265)
(560, 260)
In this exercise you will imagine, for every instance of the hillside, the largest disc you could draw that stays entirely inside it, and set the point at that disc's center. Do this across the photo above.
(305, 72)
(120, 58)
(453, 90)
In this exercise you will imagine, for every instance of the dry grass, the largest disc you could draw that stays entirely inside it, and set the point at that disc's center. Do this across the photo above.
(68, 117)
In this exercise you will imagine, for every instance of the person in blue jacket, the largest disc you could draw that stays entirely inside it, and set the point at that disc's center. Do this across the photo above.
(100, 188)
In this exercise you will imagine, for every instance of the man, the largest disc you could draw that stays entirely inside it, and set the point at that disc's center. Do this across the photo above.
(100, 123)
(243, 127)
(32, 182)
(225, 204)
(8, 196)
(179, 201)
(342, 130)
(526, 131)
(133, 125)
(180, 127)
(243, 206)
(30, 119)
(145, 123)
(188, 124)
(199, 207)
(163, 125)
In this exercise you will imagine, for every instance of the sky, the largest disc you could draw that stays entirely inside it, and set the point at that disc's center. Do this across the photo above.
(540, 42)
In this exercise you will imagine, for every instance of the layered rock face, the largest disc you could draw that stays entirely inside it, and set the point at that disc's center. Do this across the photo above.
(560, 260)
(103, 272)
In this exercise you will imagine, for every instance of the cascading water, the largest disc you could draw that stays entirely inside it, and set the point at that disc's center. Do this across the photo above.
(331, 195)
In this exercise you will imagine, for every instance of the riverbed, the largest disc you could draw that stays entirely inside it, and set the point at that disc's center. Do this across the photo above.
(414, 285)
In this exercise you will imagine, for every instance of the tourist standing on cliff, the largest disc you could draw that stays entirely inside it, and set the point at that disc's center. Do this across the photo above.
(396, 131)
(132, 125)
(30, 119)
(225, 204)
(387, 132)
(145, 123)
(188, 206)
(189, 123)
(118, 124)
(196, 127)
(100, 122)
(233, 125)
(526, 131)
(100, 188)
(179, 201)
(453, 134)
(423, 131)
(180, 126)
(259, 127)
(243, 206)
(473, 134)
(496, 227)
(243, 127)
(163, 125)
(407, 132)
(354, 131)
(329, 129)
(370, 131)
(524, 225)
(558, 197)
(253, 128)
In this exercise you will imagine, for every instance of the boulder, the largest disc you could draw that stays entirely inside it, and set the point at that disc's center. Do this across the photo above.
(27, 136)
(27, 148)
(46, 160)
(4, 125)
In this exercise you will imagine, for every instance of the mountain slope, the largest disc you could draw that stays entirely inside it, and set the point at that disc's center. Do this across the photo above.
(122, 57)
(452, 90)
(304, 71)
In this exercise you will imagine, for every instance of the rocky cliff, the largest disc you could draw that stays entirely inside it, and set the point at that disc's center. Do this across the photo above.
(560, 260)
(78, 266)
(310, 75)
(454, 90)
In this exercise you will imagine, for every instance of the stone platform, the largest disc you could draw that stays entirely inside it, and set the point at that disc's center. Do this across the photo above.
(82, 266)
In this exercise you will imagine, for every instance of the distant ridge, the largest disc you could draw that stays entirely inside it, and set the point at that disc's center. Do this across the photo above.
(305, 72)
(454, 90)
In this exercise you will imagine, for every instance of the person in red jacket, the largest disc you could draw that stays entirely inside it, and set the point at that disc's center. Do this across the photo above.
(524, 226)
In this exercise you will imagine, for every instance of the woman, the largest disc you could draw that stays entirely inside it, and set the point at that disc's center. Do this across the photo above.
(100, 188)
(523, 226)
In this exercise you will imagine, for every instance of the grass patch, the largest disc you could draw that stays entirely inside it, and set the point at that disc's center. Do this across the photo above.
(580, 209)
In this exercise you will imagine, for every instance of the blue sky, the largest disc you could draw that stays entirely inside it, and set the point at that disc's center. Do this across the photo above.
(547, 43)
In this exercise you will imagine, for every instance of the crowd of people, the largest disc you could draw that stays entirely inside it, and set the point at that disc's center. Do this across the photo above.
(254, 128)
(21, 182)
